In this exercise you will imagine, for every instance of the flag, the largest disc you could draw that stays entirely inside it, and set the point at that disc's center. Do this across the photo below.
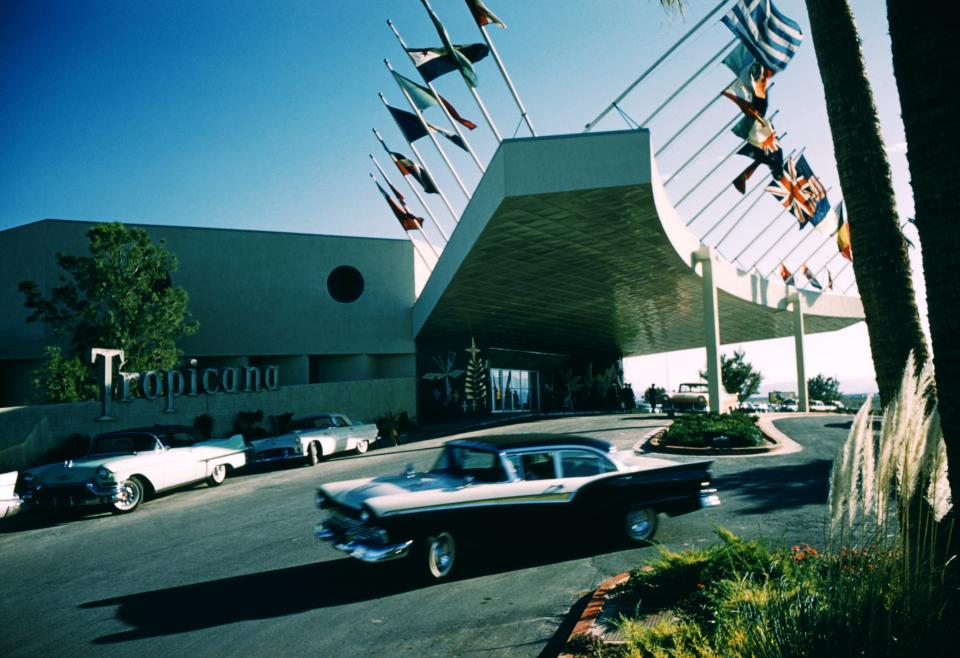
(843, 236)
(811, 278)
(433, 62)
(408, 167)
(407, 219)
(788, 190)
(829, 224)
(829, 281)
(769, 35)
(423, 98)
(456, 58)
(752, 78)
(773, 160)
(814, 190)
(753, 127)
(482, 15)
(786, 275)
(409, 124)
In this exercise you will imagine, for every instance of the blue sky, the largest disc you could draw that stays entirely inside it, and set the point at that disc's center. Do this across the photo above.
(258, 115)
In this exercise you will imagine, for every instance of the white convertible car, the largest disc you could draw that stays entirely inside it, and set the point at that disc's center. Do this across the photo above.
(122, 468)
(314, 437)
(9, 501)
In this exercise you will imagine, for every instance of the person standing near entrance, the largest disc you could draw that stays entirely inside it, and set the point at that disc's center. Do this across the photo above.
(652, 396)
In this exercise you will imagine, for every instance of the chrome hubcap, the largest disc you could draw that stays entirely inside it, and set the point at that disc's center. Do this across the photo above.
(638, 523)
(441, 555)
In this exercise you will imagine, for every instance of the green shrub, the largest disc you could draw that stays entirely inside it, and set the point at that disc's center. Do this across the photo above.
(734, 430)
(204, 424)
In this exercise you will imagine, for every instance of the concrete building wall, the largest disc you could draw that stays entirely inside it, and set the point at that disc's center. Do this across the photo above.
(27, 433)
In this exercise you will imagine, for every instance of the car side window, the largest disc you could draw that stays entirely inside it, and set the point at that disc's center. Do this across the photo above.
(341, 421)
(538, 466)
(179, 440)
(323, 423)
(583, 463)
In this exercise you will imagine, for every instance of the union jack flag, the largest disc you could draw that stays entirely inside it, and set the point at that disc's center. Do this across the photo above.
(790, 191)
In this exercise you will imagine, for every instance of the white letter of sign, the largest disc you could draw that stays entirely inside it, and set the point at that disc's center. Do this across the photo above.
(106, 378)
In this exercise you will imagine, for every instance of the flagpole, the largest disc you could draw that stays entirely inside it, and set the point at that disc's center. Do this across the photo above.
(423, 164)
(686, 125)
(384, 174)
(703, 148)
(433, 138)
(416, 193)
(506, 78)
(415, 248)
(757, 237)
(653, 66)
(797, 246)
(454, 124)
(473, 92)
(777, 241)
(696, 75)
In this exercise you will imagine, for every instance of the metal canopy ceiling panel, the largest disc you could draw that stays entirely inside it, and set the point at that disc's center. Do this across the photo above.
(563, 249)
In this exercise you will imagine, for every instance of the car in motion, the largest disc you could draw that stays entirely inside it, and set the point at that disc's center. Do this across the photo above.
(481, 490)
(9, 500)
(314, 437)
(121, 469)
(694, 397)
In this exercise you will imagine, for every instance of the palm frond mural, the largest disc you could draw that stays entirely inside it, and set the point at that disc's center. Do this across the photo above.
(446, 372)
(475, 384)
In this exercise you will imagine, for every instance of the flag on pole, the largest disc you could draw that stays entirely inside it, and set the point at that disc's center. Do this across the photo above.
(814, 190)
(423, 98)
(407, 219)
(789, 192)
(752, 78)
(773, 160)
(843, 236)
(786, 275)
(456, 58)
(811, 278)
(482, 15)
(768, 34)
(408, 167)
(829, 224)
(434, 62)
(829, 281)
(753, 128)
(413, 130)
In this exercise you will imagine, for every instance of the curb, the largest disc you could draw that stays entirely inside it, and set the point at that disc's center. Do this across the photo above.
(592, 611)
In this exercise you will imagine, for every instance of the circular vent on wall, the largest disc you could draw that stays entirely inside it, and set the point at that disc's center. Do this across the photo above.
(345, 284)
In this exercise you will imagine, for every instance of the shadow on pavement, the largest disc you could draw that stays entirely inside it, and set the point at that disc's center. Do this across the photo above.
(293, 590)
(779, 487)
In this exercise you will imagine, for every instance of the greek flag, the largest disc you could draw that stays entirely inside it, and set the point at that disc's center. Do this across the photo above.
(768, 34)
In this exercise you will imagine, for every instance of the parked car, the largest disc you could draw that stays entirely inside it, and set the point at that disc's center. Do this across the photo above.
(789, 405)
(9, 501)
(491, 488)
(314, 437)
(695, 397)
(121, 469)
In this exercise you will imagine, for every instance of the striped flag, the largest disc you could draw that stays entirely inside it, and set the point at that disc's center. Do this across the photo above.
(433, 62)
(408, 167)
(424, 98)
(814, 190)
(843, 236)
(482, 15)
(456, 58)
(768, 34)
(788, 190)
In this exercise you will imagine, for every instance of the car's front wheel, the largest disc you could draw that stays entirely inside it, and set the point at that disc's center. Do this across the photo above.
(640, 524)
(217, 476)
(441, 552)
(130, 496)
(313, 453)
(362, 446)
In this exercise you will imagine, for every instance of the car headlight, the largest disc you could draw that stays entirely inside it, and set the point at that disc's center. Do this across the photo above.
(364, 515)
(104, 473)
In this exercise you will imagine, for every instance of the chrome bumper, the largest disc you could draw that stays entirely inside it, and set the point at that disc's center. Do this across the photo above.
(366, 552)
(709, 498)
(72, 495)
(10, 506)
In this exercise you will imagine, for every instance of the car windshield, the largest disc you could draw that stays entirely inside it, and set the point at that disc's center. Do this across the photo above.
(122, 444)
(462, 461)
(692, 388)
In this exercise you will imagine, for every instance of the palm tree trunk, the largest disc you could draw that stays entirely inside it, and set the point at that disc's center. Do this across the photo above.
(925, 63)
(879, 251)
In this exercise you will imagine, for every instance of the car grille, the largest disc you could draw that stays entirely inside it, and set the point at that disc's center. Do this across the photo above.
(57, 495)
(352, 528)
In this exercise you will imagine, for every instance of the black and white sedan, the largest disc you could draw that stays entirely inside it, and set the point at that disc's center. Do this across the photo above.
(504, 487)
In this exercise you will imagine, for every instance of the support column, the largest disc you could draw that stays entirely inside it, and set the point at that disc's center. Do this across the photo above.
(711, 323)
(803, 404)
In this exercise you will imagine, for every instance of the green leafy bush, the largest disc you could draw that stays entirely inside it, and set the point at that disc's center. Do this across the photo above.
(204, 424)
(734, 430)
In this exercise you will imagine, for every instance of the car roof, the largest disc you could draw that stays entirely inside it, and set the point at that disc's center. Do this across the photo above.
(499, 442)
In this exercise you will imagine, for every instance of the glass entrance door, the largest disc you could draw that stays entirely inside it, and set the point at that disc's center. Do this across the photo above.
(514, 390)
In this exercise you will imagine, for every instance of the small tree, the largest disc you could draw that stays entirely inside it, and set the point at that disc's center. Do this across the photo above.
(823, 388)
(120, 296)
(738, 376)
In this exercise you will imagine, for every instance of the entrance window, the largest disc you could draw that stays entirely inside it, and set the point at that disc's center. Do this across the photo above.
(514, 390)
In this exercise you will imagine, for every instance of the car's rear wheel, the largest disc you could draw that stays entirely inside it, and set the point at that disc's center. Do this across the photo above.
(640, 524)
(130, 496)
(217, 476)
(440, 552)
(313, 453)
(362, 446)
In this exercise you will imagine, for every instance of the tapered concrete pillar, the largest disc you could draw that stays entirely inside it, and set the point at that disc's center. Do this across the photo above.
(803, 404)
(711, 323)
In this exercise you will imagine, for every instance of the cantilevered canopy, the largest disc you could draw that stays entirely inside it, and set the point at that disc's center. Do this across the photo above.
(570, 245)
